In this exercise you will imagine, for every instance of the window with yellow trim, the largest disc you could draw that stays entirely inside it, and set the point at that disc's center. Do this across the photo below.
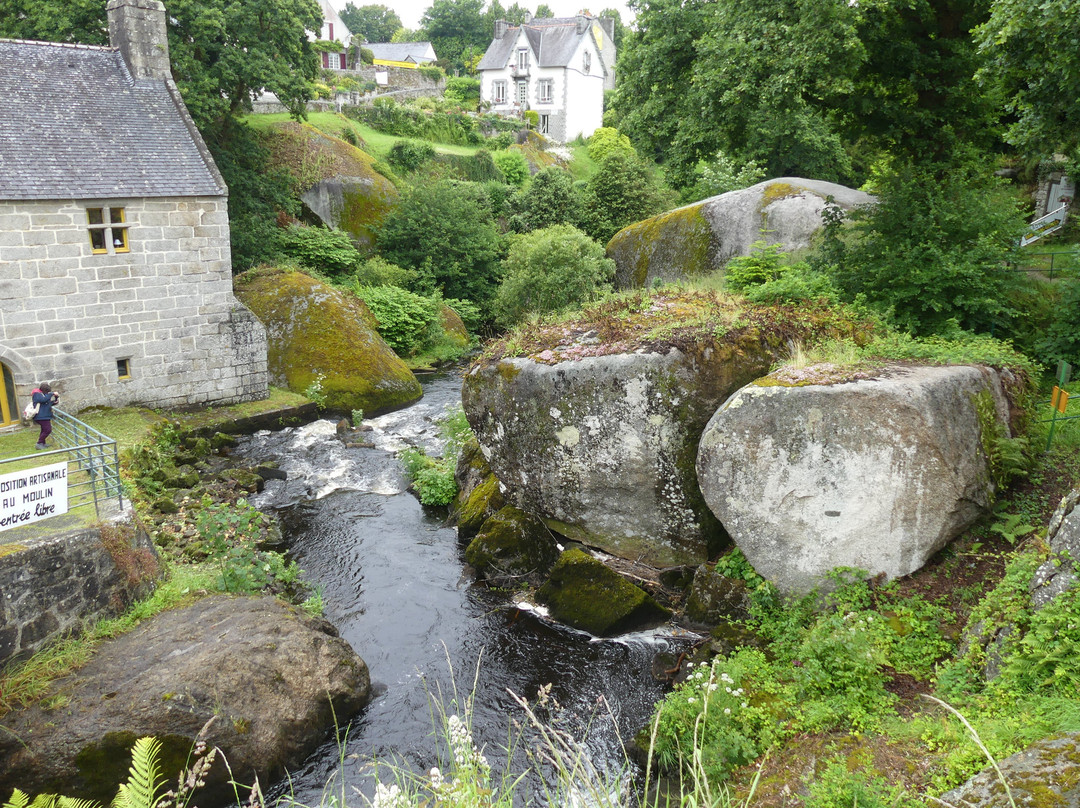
(123, 368)
(108, 230)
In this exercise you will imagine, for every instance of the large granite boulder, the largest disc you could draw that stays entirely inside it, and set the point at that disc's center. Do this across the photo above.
(1045, 774)
(603, 448)
(512, 549)
(876, 473)
(697, 239)
(1059, 572)
(317, 334)
(336, 180)
(276, 680)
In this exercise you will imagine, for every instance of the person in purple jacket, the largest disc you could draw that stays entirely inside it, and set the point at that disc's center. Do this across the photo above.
(45, 398)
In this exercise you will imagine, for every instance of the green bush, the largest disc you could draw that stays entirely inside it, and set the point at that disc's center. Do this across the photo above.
(463, 90)
(551, 269)
(548, 200)
(431, 72)
(409, 155)
(433, 477)
(377, 271)
(606, 141)
(513, 165)
(445, 231)
(328, 251)
(765, 263)
(622, 191)
(407, 321)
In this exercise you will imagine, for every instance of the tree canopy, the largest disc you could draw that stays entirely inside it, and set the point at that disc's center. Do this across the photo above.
(457, 29)
(375, 23)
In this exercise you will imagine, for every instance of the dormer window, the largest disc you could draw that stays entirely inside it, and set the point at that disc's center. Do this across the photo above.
(586, 61)
(523, 59)
(108, 230)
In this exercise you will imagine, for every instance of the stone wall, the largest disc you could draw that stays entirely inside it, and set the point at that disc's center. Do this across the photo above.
(165, 306)
(49, 586)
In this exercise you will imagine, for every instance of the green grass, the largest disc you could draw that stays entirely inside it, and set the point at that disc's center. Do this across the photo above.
(582, 166)
(378, 144)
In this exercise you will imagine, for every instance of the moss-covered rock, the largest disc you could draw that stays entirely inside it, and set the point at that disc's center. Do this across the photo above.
(454, 327)
(512, 549)
(583, 593)
(479, 494)
(715, 598)
(317, 334)
(1046, 775)
(334, 179)
(698, 239)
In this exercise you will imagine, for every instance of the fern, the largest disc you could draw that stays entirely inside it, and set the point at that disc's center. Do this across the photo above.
(145, 780)
(19, 799)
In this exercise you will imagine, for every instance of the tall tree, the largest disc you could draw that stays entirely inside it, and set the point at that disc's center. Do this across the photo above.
(375, 23)
(543, 11)
(81, 21)
(1032, 55)
(456, 28)
(620, 29)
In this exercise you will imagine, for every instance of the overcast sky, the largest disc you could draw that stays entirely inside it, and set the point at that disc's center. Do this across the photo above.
(411, 11)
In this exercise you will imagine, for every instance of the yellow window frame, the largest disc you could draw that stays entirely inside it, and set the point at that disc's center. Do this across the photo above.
(109, 228)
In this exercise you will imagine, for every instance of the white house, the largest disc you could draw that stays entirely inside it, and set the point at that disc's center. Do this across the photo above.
(333, 30)
(559, 67)
(115, 271)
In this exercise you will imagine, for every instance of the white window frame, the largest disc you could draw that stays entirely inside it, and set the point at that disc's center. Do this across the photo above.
(522, 59)
(547, 90)
(544, 127)
(498, 90)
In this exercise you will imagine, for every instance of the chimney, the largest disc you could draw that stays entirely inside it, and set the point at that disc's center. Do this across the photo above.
(608, 24)
(500, 28)
(582, 23)
(137, 30)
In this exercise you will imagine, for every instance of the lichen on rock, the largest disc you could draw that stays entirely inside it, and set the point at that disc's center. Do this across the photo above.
(512, 549)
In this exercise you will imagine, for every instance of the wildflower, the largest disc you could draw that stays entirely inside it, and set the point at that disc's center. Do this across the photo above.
(389, 797)
(436, 777)
(743, 705)
(727, 711)
(691, 700)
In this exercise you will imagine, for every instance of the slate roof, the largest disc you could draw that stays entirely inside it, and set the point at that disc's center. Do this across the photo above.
(75, 125)
(402, 51)
(553, 40)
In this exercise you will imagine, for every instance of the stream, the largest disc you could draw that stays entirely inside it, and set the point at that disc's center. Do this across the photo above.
(395, 584)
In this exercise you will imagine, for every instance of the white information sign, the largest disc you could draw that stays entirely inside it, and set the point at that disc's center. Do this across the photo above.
(34, 494)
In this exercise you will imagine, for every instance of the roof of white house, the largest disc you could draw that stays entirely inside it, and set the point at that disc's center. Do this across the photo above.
(75, 124)
(554, 41)
(402, 51)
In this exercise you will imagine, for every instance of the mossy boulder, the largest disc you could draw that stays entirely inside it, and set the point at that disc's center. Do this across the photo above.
(336, 181)
(316, 333)
(715, 598)
(479, 494)
(695, 240)
(1045, 775)
(276, 680)
(585, 594)
(512, 549)
(1059, 572)
(454, 327)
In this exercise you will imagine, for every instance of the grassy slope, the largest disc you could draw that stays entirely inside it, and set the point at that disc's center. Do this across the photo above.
(377, 143)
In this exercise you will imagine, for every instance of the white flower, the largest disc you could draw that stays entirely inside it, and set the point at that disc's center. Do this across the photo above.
(436, 777)
(743, 705)
(389, 797)
(727, 711)
(691, 700)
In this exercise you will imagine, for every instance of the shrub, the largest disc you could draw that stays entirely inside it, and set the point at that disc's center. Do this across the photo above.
(550, 199)
(431, 72)
(409, 155)
(551, 269)
(720, 175)
(433, 477)
(463, 90)
(367, 56)
(621, 192)
(503, 140)
(328, 251)
(446, 232)
(407, 321)
(513, 165)
(765, 263)
(606, 141)
(377, 271)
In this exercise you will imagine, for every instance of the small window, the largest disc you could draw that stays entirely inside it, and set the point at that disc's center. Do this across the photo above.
(522, 59)
(586, 61)
(545, 124)
(108, 230)
(500, 92)
(123, 368)
(546, 86)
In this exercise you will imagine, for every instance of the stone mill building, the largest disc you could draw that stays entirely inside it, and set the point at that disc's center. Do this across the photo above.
(115, 266)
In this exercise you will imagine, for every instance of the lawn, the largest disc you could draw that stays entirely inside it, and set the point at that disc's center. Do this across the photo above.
(377, 144)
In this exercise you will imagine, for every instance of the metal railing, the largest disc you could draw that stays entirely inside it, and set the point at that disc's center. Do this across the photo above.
(95, 476)
(1045, 225)
(1060, 263)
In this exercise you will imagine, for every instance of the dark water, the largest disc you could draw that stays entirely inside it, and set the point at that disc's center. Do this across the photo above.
(395, 584)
